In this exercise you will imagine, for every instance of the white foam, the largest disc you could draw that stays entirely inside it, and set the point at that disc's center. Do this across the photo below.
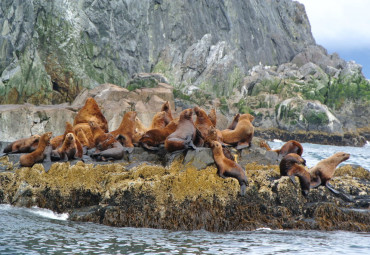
(277, 141)
(259, 229)
(48, 213)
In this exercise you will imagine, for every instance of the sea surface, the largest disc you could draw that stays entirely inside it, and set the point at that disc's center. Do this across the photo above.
(40, 231)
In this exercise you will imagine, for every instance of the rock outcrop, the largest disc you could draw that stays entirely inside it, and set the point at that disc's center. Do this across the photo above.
(185, 195)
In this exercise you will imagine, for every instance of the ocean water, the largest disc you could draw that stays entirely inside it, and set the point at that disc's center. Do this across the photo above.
(313, 153)
(40, 231)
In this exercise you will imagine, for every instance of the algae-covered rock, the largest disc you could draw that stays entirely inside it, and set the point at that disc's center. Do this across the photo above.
(181, 197)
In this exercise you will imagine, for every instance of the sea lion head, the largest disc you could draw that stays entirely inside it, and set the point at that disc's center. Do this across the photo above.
(200, 112)
(216, 147)
(165, 106)
(70, 137)
(340, 156)
(35, 138)
(186, 114)
(246, 116)
(47, 136)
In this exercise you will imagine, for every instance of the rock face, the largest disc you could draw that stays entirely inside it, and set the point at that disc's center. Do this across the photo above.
(183, 197)
(51, 50)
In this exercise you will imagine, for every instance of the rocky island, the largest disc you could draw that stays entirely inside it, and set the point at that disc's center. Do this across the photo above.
(236, 57)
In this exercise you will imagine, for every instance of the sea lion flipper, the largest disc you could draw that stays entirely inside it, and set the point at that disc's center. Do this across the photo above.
(128, 149)
(243, 145)
(338, 193)
(292, 178)
(242, 189)
(315, 182)
(47, 165)
(152, 148)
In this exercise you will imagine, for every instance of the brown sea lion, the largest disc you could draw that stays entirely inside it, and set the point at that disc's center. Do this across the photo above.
(160, 120)
(324, 170)
(227, 167)
(102, 140)
(126, 128)
(166, 107)
(291, 146)
(184, 135)
(213, 116)
(87, 131)
(57, 141)
(215, 135)
(139, 126)
(82, 137)
(154, 137)
(23, 145)
(37, 155)
(91, 111)
(202, 122)
(235, 121)
(242, 134)
(68, 150)
(292, 165)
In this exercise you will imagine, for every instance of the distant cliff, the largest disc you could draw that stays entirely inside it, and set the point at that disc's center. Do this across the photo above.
(50, 50)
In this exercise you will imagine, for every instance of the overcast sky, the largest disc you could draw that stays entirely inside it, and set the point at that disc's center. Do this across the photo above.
(342, 26)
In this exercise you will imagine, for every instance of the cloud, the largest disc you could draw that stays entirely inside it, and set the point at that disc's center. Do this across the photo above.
(340, 24)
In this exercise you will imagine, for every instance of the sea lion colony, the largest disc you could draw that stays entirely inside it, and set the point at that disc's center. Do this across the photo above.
(89, 137)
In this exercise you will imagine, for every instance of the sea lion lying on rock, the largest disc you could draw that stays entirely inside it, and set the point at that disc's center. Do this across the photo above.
(23, 145)
(38, 155)
(291, 146)
(242, 135)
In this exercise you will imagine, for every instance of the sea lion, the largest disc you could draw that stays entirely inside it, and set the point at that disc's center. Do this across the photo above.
(242, 134)
(166, 107)
(87, 131)
(126, 128)
(154, 137)
(82, 138)
(215, 135)
(160, 120)
(37, 155)
(213, 116)
(234, 122)
(91, 111)
(68, 150)
(227, 167)
(57, 141)
(291, 146)
(116, 151)
(292, 165)
(324, 170)
(202, 122)
(102, 140)
(184, 134)
(24, 145)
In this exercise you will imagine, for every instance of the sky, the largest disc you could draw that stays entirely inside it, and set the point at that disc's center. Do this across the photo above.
(342, 26)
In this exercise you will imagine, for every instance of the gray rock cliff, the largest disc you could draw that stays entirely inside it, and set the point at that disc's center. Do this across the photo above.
(51, 50)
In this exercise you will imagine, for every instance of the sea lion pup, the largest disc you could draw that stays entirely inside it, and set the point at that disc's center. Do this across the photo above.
(291, 146)
(213, 116)
(292, 165)
(91, 111)
(235, 121)
(154, 137)
(184, 134)
(68, 150)
(242, 134)
(160, 120)
(227, 167)
(24, 145)
(126, 128)
(37, 155)
(167, 108)
(58, 140)
(324, 170)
